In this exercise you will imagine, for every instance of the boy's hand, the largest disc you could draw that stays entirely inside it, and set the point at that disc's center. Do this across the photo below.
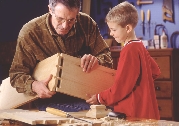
(92, 99)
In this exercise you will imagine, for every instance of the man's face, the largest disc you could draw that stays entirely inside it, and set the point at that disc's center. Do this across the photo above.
(62, 18)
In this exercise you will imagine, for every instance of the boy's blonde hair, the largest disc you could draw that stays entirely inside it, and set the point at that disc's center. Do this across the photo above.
(123, 14)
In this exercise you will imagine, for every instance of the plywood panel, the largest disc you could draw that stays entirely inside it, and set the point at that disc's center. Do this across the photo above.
(10, 98)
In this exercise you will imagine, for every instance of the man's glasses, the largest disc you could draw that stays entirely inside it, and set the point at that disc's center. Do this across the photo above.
(62, 20)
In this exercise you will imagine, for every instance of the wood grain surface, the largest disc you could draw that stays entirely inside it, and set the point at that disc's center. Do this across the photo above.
(68, 78)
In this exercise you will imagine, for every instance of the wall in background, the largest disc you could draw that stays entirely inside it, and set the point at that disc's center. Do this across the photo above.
(15, 13)
(99, 9)
(157, 18)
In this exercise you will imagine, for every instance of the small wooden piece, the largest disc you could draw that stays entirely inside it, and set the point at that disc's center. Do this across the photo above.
(97, 111)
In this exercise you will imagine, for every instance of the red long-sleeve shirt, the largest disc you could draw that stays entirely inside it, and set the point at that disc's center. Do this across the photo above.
(135, 63)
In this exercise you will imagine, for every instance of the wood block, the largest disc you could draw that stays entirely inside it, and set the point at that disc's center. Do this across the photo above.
(97, 111)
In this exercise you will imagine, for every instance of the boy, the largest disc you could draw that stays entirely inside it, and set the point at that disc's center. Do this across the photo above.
(133, 91)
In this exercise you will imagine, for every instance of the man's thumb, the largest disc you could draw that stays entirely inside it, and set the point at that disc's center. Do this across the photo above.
(46, 81)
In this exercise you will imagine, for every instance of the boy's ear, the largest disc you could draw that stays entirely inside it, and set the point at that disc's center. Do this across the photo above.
(128, 28)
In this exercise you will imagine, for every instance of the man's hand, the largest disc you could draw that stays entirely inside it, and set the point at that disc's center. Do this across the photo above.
(40, 87)
(92, 99)
(88, 62)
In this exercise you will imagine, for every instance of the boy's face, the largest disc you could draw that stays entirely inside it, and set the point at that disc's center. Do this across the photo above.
(118, 32)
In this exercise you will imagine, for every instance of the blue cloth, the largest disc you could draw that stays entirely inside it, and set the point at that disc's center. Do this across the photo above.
(62, 102)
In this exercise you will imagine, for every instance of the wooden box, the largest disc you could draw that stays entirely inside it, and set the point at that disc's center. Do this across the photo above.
(68, 78)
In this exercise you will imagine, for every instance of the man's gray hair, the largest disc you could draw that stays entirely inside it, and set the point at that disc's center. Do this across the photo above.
(68, 3)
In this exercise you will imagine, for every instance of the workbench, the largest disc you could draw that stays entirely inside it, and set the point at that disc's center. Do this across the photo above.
(19, 117)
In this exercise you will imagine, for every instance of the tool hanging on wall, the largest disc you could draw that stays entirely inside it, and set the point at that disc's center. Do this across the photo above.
(158, 26)
(139, 2)
(148, 21)
(167, 10)
(142, 19)
(173, 39)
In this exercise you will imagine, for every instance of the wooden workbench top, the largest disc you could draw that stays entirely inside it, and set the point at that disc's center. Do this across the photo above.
(25, 118)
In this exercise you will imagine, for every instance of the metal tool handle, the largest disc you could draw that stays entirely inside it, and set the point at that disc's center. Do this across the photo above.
(56, 112)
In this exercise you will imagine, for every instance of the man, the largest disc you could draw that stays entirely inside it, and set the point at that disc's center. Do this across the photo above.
(63, 30)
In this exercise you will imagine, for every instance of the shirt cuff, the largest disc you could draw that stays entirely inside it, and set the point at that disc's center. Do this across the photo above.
(99, 62)
(28, 88)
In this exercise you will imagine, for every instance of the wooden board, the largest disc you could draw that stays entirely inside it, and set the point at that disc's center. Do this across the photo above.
(10, 98)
